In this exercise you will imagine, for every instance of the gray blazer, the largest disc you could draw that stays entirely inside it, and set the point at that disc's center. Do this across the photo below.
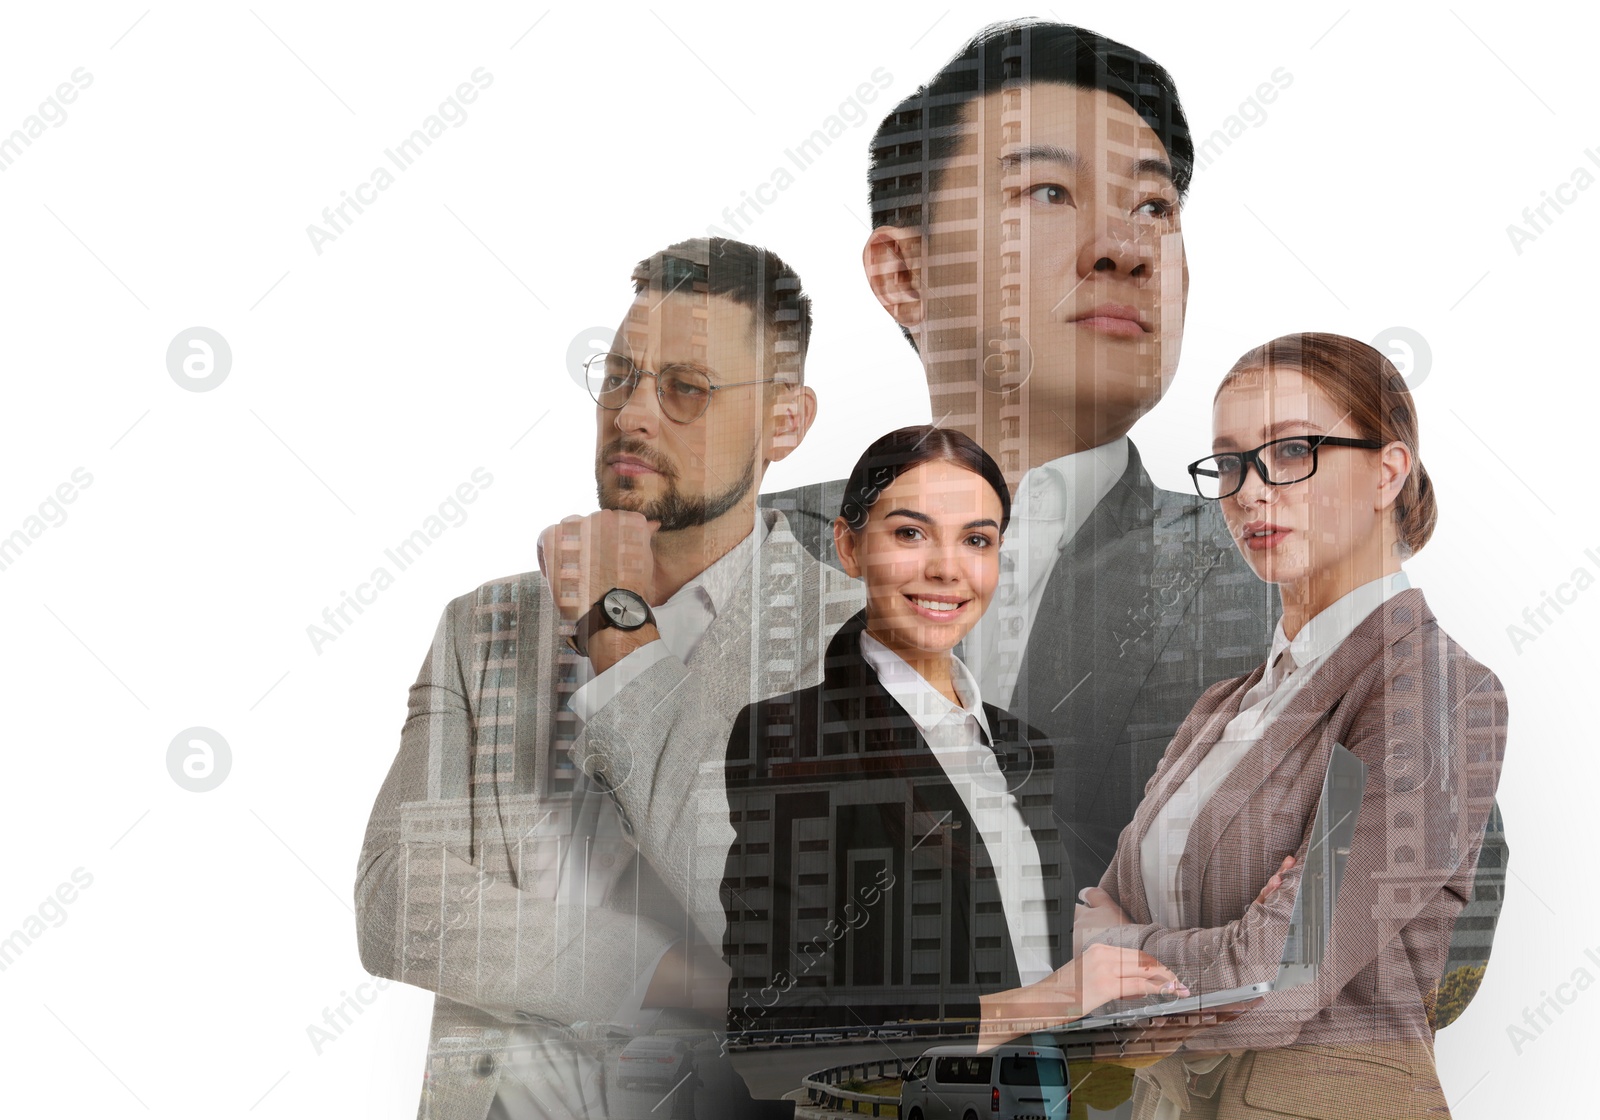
(533, 904)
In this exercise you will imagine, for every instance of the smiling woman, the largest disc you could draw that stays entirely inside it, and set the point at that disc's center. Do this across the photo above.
(922, 519)
(895, 856)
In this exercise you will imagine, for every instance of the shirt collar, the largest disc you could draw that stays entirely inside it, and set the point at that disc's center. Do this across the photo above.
(1087, 476)
(715, 586)
(926, 705)
(1331, 626)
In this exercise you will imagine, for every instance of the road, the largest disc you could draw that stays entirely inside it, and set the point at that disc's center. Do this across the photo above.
(772, 1073)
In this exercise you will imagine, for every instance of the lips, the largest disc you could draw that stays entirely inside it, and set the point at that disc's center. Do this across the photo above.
(632, 459)
(1258, 536)
(1119, 320)
(938, 608)
(630, 466)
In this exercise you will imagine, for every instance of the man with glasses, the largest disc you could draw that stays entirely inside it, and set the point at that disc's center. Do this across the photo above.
(533, 854)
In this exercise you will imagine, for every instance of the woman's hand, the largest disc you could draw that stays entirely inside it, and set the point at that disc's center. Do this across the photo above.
(1096, 911)
(1109, 973)
(1276, 881)
(1098, 975)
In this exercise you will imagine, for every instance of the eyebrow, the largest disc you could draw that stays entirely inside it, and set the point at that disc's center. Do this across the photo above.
(691, 366)
(1041, 153)
(1152, 166)
(1272, 431)
(922, 518)
(1054, 153)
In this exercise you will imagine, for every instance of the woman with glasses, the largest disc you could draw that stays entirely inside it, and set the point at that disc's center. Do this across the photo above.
(1316, 465)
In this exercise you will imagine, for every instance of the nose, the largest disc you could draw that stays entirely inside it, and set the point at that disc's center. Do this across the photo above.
(1255, 490)
(943, 562)
(1113, 244)
(642, 413)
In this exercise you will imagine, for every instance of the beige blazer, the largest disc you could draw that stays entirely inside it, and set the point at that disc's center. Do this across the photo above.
(1430, 724)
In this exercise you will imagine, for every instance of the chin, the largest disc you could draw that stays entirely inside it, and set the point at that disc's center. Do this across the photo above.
(1279, 569)
(623, 494)
(938, 642)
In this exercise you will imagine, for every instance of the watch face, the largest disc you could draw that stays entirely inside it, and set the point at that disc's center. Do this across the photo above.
(626, 610)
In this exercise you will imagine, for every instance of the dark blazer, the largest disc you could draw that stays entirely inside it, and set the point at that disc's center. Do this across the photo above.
(856, 865)
(1430, 723)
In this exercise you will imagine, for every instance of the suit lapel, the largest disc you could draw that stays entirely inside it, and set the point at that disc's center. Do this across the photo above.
(1135, 897)
(1301, 719)
(1115, 598)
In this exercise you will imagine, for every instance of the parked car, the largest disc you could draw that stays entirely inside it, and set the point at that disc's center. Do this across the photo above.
(654, 1060)
(1008, 1082)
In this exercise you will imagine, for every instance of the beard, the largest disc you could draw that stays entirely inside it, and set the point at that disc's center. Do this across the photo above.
(673, 509)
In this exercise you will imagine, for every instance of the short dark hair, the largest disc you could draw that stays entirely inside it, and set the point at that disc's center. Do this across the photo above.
(892, 455)
(917, 139)
(749, 275)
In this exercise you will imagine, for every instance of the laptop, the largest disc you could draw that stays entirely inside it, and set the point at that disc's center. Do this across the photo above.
(1311, 919)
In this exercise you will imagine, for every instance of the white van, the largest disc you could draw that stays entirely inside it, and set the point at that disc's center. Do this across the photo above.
(1006, 1083)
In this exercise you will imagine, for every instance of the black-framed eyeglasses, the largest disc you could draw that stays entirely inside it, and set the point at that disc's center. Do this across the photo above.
(1279, 462)
(684, 392)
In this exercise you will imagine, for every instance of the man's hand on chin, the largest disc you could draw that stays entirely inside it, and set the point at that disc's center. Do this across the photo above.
(585, 556)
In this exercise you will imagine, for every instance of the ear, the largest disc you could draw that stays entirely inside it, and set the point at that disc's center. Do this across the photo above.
(892, 259)
(1394, 467)
(794, 409)
(844, 543)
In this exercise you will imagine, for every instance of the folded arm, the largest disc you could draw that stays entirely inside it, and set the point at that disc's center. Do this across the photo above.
(1433, 755)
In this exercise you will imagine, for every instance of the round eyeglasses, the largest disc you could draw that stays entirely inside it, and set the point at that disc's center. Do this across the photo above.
(684, 392)
(1279, 462)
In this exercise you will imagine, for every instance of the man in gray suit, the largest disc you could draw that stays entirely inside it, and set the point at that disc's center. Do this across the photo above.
(549, 911)
(1027, 240)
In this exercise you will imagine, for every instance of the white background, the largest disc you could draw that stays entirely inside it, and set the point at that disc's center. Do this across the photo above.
(370, 380)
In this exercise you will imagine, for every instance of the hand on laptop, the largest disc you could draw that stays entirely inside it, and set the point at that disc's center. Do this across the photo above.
(1099, 975)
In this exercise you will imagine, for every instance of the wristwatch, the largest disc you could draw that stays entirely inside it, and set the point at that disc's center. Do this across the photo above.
(619, 608)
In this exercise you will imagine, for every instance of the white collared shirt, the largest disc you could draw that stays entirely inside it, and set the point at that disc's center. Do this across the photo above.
(1054, 499)
(682, 621)
(959, 735)
(1162, 847)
